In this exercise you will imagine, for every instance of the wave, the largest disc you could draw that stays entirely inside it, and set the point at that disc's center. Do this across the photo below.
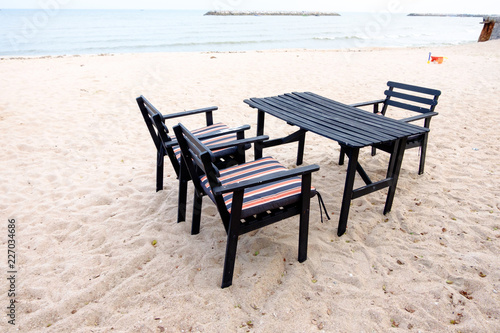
(166, 46)
(340, 38)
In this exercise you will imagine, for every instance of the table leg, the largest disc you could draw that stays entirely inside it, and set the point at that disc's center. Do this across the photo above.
(353, 154)
(260, 131)
(393, 171)
(300, 151)
(342, 155)
(393, 158)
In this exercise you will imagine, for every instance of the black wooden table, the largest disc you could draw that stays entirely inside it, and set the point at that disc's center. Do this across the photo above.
(351, 127)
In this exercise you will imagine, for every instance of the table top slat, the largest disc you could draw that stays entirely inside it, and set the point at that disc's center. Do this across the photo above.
(392, 126)
(306, 124)
(365, 121)
(335, 124)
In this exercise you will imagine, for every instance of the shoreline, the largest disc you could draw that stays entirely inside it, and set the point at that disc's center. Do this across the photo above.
(352, 49)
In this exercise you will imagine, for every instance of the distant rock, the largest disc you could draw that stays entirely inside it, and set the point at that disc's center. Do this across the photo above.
(447, 15)
(267, 13)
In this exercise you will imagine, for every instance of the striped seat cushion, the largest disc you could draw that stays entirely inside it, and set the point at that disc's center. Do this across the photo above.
(212, 141)
(259, 198)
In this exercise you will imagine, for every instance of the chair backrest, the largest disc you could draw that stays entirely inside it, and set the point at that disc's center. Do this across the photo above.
(199, 159)
(158, 130)
(148, 112)
(409, 97)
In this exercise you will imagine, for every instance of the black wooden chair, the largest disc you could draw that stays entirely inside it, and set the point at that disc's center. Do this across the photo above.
(248, 196)
(167, 146)
(411, 98)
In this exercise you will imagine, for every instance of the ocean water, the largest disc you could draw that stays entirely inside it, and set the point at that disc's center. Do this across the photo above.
(69, 32)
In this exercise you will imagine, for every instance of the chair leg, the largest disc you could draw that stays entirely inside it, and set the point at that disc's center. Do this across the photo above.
(304, 217)
(423, 150)
(159, 171)
(181, 203)
(232, 239)
(374, 151)
(197, 203)
(422, 161)
(230, 259)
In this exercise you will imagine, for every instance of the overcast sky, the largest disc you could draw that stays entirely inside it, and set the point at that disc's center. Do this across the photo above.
(403, 6)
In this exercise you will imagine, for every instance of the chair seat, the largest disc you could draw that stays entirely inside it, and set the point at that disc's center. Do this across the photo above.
(212, 141)
(260, 198)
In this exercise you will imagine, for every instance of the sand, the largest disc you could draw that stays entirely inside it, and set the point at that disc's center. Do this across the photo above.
(78, 176)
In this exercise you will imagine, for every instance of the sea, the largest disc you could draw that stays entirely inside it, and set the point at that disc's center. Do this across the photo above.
(41, 32)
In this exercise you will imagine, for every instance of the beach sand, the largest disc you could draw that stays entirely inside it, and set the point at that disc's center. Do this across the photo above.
(78, 176)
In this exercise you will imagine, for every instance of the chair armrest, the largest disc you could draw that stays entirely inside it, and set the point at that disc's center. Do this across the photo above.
(190, 112)
(266, 179)
(420, 116)
(226, 131)
(214, 134)
(367, 103)
(238, 142)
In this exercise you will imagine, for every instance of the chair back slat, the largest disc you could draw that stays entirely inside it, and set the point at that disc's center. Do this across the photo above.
(196, 157)
(407, 106)
(156, 119)
(193, 150)
(417, 89)
(148, 111)
(161, 128)
(408, 97)
(150, 108)
(196, 148)
(158, 130)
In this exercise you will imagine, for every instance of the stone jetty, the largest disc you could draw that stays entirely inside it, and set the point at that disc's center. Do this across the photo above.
(269, 13)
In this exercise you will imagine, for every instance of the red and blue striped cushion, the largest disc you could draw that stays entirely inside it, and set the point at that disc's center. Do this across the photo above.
(259, 198)
(212, 141)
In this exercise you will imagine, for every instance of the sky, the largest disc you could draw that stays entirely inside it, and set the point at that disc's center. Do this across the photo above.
(402, 6)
